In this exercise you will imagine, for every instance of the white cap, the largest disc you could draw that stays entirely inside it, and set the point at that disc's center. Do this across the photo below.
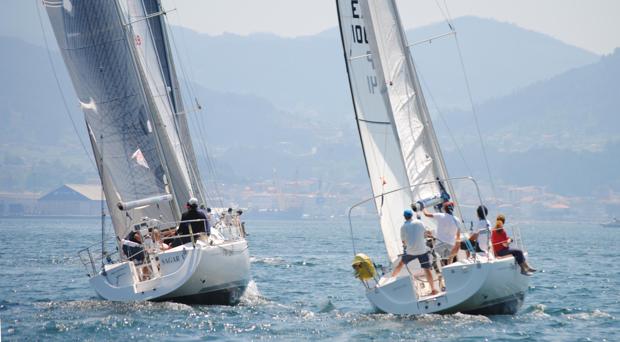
(193, 201)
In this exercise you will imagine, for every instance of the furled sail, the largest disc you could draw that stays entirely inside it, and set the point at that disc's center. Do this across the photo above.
(398, 140)
(125, 93)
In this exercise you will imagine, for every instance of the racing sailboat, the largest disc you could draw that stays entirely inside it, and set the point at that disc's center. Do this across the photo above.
(119, 58)
(406, 168)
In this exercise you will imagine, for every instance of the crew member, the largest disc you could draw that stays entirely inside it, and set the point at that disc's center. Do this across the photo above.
(195, 219)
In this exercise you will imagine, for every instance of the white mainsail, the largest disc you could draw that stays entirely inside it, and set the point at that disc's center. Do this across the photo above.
(117, 55)
(400, 146)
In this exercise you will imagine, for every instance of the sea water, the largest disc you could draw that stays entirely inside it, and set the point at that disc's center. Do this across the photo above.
(302, 289)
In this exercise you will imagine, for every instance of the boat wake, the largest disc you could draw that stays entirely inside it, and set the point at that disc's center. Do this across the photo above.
(586, 316)
(117, 307)
(252, 296)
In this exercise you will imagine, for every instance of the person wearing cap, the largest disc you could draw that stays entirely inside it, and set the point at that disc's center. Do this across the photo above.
(448, 232)
(412, 233)
(197, 221)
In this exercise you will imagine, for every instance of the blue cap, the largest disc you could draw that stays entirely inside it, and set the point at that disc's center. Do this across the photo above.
(408, 213)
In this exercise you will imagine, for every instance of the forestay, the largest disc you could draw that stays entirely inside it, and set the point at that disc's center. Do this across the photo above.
(397, 136)
(130, 117)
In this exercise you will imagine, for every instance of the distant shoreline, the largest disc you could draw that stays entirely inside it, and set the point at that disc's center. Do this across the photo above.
(250, 219)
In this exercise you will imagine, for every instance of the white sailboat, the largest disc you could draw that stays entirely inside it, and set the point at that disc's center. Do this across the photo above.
(405, 166)
(120, 61)
(613, 223)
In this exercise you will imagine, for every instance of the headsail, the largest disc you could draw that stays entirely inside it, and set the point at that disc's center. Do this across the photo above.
(125, 91)
(399, 143)
(145, 21)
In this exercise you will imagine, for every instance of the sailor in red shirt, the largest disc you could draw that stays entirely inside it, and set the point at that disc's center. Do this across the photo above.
(501, 246)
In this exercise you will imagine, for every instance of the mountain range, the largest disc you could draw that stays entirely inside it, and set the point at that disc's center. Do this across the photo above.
(273, 103)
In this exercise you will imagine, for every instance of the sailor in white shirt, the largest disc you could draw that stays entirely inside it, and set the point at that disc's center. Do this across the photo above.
(448, 232)
(228, 217)
(483, 234)
(412, 234)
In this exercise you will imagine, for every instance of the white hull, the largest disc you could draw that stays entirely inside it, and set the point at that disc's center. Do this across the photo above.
(204, 274)
(493, 286)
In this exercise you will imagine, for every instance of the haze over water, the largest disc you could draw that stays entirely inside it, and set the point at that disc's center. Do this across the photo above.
(303, 289)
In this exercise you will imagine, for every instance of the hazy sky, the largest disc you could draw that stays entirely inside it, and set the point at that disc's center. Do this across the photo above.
(591, 24)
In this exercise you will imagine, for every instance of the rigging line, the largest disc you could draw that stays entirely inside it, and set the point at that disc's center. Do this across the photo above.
(149, 27)
(199, 123)
(62, 94)
(445, 14)
(447, 10)
(475, 115)
(444, 121)
(198, 119)
(448, 19)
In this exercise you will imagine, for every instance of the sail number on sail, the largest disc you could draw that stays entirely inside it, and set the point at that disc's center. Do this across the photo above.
(361, 37)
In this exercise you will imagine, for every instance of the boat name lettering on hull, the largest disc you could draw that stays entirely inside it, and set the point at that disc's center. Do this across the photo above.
(173, 259)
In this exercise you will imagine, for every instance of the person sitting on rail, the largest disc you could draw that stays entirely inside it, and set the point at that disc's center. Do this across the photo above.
(479, 241)
(501, 246)
(134, 251)
(160, 245)
(132, 247)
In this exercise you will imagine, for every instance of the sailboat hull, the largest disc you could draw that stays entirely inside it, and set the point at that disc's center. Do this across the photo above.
(204, 274)
(488, 287)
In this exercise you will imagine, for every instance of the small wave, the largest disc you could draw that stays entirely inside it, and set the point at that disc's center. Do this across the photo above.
(327, 307)
(536, 310)
(585, 316)
(307, 314)
(121, 307)
(457, 318)
(268, 260)
(304, 263)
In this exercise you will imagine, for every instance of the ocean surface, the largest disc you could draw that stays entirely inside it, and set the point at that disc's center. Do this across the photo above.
(303, 289)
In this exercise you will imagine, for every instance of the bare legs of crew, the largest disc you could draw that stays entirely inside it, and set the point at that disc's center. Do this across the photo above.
(427, 272)
(454, 251)
(397, 269)
(429, 278)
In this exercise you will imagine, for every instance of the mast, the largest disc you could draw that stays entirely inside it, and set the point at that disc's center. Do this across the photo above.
(181, 115)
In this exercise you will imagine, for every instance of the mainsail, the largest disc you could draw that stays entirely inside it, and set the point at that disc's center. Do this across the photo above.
(399, 143)
(116, 53)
